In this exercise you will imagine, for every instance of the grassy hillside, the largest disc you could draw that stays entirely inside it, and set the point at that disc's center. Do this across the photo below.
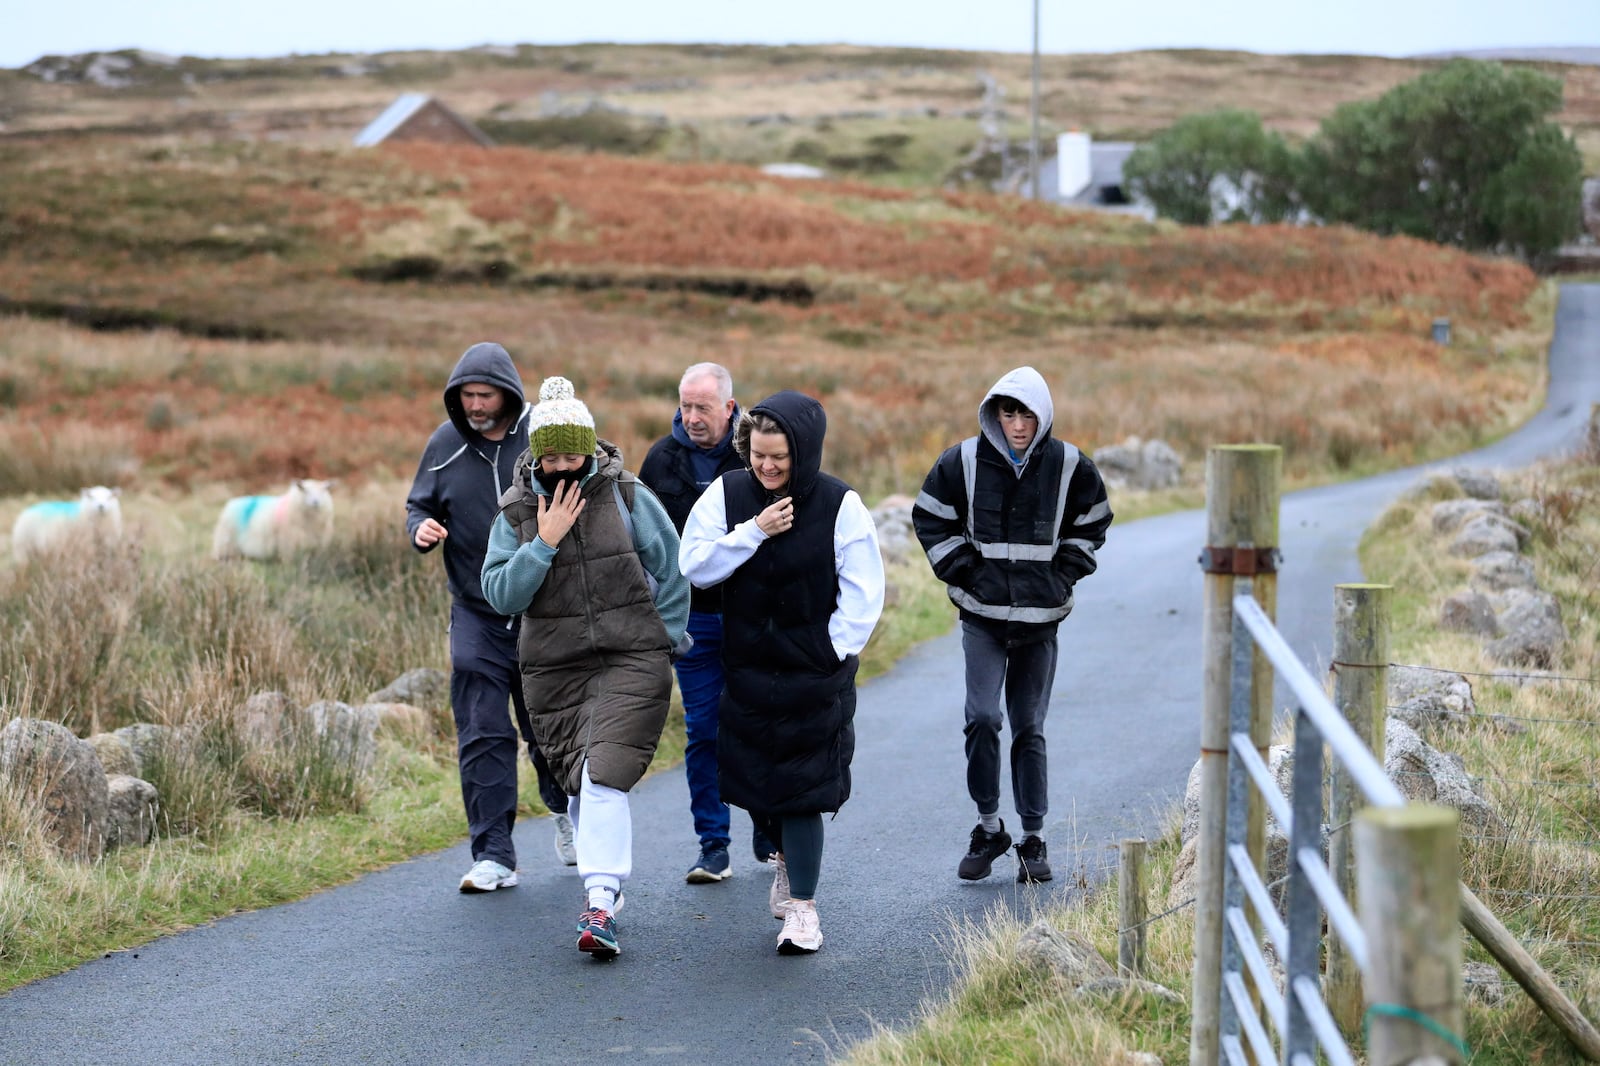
(300, 286)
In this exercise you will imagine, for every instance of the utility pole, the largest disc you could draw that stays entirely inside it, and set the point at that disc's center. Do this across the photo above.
(1033, 140)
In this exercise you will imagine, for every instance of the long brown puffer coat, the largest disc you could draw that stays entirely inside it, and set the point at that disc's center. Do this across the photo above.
(594, 653)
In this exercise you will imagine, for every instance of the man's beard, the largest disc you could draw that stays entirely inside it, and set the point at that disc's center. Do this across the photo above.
(484, 424)
(552, 478)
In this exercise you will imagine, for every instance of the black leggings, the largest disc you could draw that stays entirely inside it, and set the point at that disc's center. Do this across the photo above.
(799, 838)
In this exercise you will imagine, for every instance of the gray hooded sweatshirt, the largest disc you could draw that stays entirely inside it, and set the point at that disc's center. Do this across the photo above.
(462, 473)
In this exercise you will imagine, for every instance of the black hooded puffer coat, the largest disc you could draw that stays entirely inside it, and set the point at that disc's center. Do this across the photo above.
(786, 733)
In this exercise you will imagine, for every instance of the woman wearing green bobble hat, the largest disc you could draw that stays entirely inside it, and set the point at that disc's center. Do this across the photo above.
(588, 556)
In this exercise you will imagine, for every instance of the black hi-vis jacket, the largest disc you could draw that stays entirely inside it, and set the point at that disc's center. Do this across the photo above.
(1011, 543)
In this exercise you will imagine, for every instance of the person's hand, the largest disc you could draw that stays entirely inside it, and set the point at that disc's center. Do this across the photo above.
(777, 518)
(558, 512)
(430, 533)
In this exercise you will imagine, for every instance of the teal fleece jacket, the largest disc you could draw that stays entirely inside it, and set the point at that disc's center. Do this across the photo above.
(513, 573)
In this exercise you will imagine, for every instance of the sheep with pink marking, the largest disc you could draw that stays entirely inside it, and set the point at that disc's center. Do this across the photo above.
(271, 527)
(94, 514)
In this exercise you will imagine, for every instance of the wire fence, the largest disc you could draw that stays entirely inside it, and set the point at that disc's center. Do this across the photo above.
(1555, 914)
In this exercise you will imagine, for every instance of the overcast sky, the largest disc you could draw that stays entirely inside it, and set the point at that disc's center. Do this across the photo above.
(278, 27)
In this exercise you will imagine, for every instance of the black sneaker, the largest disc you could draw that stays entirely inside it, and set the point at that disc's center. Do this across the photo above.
(985, 848)
(1031, 863)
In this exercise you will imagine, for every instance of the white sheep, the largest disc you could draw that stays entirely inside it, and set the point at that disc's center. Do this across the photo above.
(95, 512)
(267, 527)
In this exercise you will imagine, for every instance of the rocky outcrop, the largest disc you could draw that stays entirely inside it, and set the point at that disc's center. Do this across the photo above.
(1531, 627)
(423, 687)
(1520, 625)
(132, 809)
(50, 767)
(897, 539)
(1064, 953)
(351, 733)
(1140, 464)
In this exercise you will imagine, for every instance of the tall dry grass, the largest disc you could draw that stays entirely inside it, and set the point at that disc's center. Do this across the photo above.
(105, 635)
(1338, 402)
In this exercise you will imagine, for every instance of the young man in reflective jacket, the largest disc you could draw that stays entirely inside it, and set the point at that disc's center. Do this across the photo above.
(1011, 520)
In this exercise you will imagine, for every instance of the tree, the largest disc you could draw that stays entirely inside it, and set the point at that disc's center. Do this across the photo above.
(1463, 155)
(1220, 165)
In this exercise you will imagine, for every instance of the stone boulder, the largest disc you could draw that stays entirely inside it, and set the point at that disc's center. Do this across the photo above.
(1534, 633)
(1064, 953)
(147, 741)
(1116, 987)
(132, 809)
(1140, 464)
(1447, 516)
(1418, 696)
(1483, 983)
(1468, 611)
(1485, 533)
(897, 540)
(50, 766)
(1499, 571)
(350, 732)
(263, 718)
(403, 722)
(1478, 484)
(422, 687)
(116, 754)
(1424, 774)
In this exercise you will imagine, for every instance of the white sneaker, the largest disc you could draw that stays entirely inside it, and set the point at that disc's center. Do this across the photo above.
(566, 847)
(802, 932)
(487, 875)
(778, 898)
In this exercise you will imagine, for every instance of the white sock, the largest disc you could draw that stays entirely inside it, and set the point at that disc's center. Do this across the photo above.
(1030, 834)
(604, 898)
(990, 822)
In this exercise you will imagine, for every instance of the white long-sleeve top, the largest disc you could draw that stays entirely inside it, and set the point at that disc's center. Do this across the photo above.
(709, 552)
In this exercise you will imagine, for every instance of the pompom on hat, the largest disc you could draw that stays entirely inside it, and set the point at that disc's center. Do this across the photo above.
(560, 423)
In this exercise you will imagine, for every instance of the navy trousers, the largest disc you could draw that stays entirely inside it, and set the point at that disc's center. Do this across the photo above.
(483, 679)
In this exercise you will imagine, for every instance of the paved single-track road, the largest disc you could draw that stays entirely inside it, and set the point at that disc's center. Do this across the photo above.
(397, 967)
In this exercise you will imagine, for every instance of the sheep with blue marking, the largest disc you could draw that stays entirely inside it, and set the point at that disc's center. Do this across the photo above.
(95, 513)
(270, 527)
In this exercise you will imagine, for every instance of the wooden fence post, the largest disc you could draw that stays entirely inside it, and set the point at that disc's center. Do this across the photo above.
(1131, 908)
(1360, 692)
(1242, 489)
(1408, 874)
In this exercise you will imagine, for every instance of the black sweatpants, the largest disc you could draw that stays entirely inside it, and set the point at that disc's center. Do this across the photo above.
(483, 677)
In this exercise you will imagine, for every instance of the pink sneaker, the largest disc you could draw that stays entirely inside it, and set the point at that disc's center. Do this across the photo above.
(802, 932)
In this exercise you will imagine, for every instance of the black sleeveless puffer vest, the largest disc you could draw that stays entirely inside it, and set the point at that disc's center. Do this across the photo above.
(786, 733)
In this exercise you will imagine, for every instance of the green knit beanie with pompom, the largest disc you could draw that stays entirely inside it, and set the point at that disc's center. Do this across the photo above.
(560, 422)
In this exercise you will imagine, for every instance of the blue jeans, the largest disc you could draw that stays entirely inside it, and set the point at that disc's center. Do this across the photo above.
(700, 683)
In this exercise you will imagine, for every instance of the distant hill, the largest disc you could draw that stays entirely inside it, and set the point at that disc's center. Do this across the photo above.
(899, 116)
(1554, 54)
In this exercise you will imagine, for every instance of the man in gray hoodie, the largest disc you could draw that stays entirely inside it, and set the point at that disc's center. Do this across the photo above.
(1011, 520)
(454, 499)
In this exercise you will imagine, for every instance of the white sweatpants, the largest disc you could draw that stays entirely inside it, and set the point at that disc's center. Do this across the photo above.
(604, 834)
